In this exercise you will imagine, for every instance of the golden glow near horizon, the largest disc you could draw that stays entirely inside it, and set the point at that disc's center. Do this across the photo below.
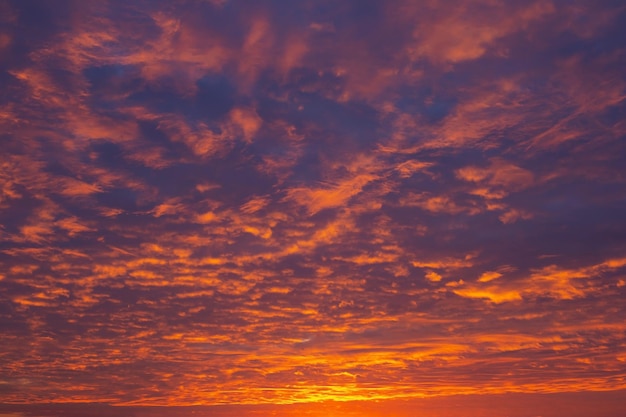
(236, 203)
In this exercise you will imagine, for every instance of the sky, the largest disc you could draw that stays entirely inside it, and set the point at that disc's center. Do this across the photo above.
(313, 207)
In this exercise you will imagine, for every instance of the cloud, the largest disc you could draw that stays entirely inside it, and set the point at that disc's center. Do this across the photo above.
(499, 174)
(310, 201)
(550, 281)
(359, 173)
(463, 34)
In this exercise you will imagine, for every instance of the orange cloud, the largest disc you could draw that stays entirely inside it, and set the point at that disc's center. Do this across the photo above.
(368, 201)
(464, 35)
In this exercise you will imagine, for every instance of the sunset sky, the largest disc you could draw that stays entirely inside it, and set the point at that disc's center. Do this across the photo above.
(329, 208)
